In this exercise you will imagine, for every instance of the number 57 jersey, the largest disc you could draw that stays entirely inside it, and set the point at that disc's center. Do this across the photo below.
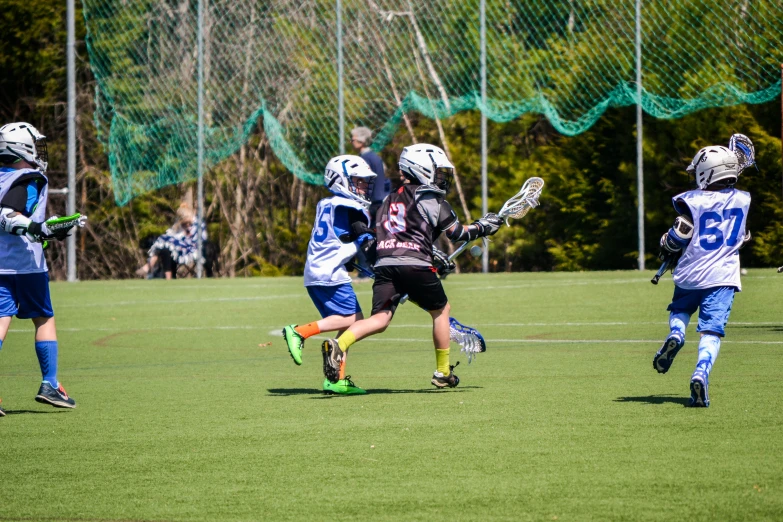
(712, 257)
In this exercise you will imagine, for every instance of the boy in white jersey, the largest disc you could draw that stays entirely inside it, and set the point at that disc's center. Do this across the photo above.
(24, 278)
(707, 235)
(341, 228)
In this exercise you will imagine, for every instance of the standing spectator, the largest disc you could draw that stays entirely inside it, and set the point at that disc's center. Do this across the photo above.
(361, 138)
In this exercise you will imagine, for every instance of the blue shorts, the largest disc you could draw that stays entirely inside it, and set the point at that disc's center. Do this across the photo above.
(25, 295)
(334, 300)
(714, 306)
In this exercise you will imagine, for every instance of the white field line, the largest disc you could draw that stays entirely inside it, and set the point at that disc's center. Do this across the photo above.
(490, 341)
(454, 281)
(180, 301)
(276, 330)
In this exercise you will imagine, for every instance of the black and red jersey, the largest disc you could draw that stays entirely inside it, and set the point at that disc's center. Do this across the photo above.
(408, 223)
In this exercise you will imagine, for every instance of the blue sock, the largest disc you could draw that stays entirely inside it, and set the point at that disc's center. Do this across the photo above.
(47, 360)
(1, 344)
(679, 322)
(709, 346)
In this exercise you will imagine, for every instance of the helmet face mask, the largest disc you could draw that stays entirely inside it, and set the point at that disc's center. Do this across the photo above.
(713, 164)
(427, 165)
(350, 177)
(443, 178)
(23, 141)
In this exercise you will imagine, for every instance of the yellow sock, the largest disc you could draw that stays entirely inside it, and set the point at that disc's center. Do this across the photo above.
(346, 340)
(442, 360)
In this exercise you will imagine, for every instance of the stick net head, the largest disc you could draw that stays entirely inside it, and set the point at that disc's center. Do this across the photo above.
(470, 340)
(743, 148)
(523, 201)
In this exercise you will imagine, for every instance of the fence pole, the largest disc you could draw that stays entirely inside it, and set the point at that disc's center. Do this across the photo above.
(340, 92)
(484, 188)
(71, 78)
(639, 148)
(200, 139)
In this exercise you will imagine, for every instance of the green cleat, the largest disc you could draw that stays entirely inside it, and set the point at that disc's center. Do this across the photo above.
(295, 343)
(342, 387)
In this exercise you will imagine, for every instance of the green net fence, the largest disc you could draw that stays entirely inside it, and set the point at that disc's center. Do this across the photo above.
(276, 61)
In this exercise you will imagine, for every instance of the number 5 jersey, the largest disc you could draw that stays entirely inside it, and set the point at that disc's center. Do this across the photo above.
(712, 257)
(326, 253)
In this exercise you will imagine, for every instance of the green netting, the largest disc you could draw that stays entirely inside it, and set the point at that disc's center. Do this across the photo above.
(277, 61)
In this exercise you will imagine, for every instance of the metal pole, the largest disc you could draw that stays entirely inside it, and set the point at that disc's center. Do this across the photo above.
(340, 92)
(200, 218)
(71, 78)
(484, 190)
(639, 150)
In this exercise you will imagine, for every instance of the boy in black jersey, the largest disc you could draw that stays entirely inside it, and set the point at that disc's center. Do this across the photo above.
(408, 223)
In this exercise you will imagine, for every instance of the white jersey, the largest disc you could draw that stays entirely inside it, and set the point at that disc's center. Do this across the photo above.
(712, 257)
(326, 254)
(19, 255)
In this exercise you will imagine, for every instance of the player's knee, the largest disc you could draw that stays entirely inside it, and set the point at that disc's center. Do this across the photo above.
(382, 321)
(446, 310)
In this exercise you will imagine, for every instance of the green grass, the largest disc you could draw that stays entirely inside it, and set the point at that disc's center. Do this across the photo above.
(183, 414)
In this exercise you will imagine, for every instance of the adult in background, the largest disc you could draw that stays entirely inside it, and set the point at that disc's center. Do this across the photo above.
(361, 138)
(177, 246)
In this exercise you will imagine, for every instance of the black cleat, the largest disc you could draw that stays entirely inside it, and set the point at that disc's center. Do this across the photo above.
(2, 411)
(47, 394)
(333, 358)
(443, 381)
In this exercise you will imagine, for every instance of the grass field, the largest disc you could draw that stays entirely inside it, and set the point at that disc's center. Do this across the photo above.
(185, 413)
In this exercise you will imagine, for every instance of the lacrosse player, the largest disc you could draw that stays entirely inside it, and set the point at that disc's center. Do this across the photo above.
(707, 236)
(409, 221)
(24, 278)
(341, 228)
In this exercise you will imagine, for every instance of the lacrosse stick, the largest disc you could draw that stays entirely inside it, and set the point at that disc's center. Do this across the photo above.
(470, 340)
(60, 226)
(743, 148)
(516, 207)
(350, 265)
(669, 262)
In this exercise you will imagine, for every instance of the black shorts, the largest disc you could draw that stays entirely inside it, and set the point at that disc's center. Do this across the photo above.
(420, 283)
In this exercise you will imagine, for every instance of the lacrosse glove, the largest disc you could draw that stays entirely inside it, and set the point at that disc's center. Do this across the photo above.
(488, 225)
(20, 225)
(368, 246)
(442, 263)
(677, 238)
(59, 227)
(745, 239)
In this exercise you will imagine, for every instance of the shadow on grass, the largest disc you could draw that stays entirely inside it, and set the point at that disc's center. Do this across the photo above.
(318, 394)
(656, 399)
(767, 327)
(20, 412)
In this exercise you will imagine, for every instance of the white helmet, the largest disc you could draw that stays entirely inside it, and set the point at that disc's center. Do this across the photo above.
(339, 173)
(714, 163)
(23, 141)
(427, 165)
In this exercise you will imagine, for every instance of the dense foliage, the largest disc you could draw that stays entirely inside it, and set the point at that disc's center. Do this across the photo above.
(261, 215)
